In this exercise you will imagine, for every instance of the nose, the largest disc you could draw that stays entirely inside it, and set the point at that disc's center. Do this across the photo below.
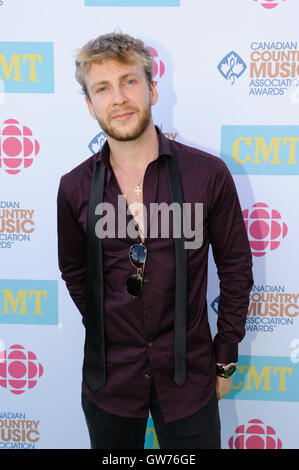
(118, 97)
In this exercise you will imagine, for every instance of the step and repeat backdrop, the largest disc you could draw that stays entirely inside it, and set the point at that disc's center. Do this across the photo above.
(227, 73)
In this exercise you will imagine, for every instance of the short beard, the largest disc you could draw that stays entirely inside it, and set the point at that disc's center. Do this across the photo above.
(129, 136)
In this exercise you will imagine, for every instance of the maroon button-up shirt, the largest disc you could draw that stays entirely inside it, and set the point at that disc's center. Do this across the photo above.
(139, 332)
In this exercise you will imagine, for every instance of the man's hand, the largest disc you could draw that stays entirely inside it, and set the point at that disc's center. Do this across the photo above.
(223, 386)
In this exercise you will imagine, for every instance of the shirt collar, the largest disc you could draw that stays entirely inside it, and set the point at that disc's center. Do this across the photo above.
(164, 149)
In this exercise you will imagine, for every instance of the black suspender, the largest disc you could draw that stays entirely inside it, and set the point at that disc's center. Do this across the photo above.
(94, 366)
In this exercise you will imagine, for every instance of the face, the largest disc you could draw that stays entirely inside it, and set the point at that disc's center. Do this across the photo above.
(120, 98)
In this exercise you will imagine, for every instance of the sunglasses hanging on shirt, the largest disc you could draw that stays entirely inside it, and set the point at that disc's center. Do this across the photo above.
(137, 257)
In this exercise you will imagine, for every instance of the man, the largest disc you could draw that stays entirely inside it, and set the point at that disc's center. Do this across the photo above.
(143, 298)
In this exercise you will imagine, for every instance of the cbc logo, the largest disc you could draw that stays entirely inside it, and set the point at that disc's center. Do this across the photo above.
(19, 369)
(18, 147)
(254, 435)
(265, 228)
(159, 67)
(269, 4)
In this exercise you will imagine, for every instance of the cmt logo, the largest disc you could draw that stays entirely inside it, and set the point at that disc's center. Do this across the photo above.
(28, 302)
(19, 369)
(265, 228)
(18, 147)
(231, 67)
(261, 150)
(269, 4)
(27, 67)
(267, 378)
(254, 435)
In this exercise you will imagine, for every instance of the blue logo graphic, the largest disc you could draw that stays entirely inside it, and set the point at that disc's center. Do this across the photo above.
(96, 144)
(27, 67)
(261, 150)
(267, 378)
(214, 304)
(232, 67)
(132, 3)
(28, 302)
(151, 440)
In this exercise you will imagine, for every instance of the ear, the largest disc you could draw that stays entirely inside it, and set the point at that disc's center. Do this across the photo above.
(90, 107)
(154, 94)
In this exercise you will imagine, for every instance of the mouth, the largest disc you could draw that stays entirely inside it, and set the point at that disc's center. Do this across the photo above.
(123, 116)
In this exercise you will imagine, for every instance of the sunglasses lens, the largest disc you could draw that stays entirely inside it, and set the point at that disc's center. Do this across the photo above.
(134, 285)
(138, 255)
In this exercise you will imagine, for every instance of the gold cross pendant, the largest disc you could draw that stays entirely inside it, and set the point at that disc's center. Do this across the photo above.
(138, 190)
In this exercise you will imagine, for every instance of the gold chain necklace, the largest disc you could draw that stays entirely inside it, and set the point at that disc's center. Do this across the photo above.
(138, 188)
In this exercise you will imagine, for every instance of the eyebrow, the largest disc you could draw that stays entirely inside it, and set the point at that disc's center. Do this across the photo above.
(105, 82)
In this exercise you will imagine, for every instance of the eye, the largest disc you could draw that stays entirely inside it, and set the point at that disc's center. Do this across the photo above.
(131, 81)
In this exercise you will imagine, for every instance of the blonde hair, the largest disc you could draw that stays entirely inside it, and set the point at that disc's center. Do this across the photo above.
(117, 46)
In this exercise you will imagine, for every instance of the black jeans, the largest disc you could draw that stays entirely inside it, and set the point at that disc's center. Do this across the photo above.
(200, 430)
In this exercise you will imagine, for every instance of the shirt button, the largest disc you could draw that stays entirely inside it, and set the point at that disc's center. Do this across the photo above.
(147, 376)
(150, 345)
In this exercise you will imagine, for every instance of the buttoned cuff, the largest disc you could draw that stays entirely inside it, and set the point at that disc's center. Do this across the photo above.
(225, 353)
